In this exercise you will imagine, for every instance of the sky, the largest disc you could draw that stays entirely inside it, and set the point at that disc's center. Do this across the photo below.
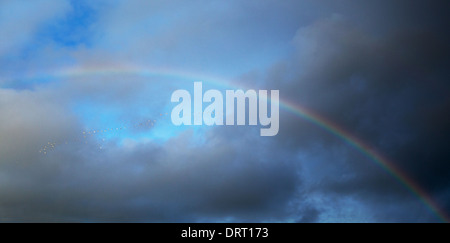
(85, 105)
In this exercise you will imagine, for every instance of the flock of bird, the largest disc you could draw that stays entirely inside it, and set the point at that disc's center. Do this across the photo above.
(83, 138)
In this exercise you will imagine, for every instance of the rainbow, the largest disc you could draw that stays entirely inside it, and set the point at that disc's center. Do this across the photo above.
(299, 111)
(371, 153)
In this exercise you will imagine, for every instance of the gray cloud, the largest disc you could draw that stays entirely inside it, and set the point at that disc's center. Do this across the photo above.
(177, 181)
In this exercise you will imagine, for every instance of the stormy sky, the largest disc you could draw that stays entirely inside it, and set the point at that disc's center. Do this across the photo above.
(378, 69)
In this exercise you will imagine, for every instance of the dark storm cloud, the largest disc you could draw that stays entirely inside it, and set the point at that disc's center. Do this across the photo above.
(391, 90)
